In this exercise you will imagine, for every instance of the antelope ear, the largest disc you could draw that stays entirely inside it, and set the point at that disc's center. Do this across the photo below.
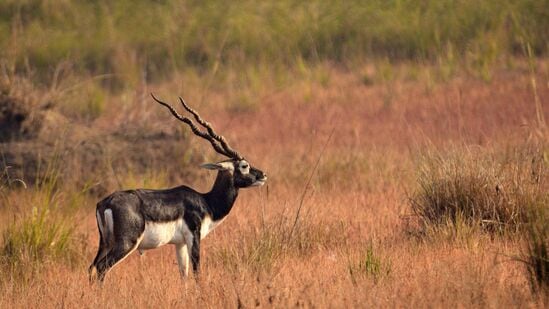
(218, 166)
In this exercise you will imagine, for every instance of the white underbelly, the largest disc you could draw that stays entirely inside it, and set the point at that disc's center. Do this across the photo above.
(157, 234)
(208, 225)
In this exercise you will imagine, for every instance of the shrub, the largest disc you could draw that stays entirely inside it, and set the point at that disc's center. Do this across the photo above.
(472, 187)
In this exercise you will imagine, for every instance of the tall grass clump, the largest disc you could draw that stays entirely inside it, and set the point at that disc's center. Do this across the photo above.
(471, 187)
(260, 249)
(536, 256)
(42, 230)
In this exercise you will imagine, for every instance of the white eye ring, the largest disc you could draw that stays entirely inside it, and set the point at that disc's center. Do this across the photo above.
(244, 167)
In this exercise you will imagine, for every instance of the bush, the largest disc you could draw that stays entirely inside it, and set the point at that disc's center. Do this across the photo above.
(487, 190)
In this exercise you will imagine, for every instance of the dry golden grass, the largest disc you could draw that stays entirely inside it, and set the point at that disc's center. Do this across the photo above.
(356, 242)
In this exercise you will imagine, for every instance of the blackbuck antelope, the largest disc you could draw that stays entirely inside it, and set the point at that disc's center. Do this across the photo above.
(146, 219)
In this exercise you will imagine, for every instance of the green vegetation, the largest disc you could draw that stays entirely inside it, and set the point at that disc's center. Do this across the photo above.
(136, 40)
(471, 188)
(369, 264)
(35, 240)
(43, 229)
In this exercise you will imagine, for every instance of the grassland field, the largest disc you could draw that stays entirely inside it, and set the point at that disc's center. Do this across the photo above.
(406, 146)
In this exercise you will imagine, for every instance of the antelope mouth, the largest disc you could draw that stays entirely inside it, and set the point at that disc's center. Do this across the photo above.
(260, 182)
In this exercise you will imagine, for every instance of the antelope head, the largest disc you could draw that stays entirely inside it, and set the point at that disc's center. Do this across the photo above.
(244, 175)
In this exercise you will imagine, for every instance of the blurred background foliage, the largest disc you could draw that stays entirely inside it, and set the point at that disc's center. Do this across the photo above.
(149, 40)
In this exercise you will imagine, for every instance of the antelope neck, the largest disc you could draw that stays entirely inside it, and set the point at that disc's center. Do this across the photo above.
(222, 196)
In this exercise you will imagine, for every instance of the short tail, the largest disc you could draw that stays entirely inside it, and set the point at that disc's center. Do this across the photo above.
(106, 227)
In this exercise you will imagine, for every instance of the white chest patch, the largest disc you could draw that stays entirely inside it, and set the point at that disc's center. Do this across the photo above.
(160, 233)
(208, 225)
